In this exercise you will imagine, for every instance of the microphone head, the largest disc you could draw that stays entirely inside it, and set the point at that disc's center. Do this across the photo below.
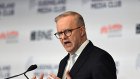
(32, 67)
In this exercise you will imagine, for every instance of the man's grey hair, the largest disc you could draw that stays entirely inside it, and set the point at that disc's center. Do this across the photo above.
(78, 17)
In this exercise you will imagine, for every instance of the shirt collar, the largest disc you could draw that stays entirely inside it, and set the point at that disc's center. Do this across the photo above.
(78, 52)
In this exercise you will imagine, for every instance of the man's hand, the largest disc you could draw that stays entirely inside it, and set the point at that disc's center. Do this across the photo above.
(68, 75)
(41, 76)
(53, 76)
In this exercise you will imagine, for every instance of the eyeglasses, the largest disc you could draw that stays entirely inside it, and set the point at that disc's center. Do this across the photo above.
(67, 32)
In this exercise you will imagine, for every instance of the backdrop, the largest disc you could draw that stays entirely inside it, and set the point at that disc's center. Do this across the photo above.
(27, 30)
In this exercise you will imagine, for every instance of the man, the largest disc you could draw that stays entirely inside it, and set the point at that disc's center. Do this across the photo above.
(90, 62)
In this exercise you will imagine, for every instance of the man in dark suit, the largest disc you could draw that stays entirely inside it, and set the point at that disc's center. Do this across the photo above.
(84, 60)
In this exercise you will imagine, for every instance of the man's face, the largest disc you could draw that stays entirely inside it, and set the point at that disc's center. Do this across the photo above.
(73, 42)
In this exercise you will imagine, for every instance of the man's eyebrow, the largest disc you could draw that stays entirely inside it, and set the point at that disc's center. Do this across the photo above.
(60, 32)
(64, 30)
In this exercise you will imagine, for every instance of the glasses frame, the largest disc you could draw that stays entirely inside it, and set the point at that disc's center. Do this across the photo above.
(70, 30)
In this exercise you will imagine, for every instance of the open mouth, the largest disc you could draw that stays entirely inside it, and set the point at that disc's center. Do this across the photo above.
(67, 43)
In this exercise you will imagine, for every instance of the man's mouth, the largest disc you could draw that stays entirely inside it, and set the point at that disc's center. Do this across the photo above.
(67, 43)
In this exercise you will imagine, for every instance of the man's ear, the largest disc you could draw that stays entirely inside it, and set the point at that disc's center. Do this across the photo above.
(83, 30)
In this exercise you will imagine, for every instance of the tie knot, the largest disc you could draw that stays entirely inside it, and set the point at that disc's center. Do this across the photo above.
(73, 56)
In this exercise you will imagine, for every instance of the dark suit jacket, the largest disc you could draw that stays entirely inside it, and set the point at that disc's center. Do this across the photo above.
(93, 63)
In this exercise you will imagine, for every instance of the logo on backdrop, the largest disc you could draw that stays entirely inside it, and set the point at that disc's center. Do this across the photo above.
(9, 36)
(45, 68)
(138, 62)
(7, 9)
(47, 6)
(5, 71)
(138, 29)
(40, 35)
(99, 4)
(112, 30)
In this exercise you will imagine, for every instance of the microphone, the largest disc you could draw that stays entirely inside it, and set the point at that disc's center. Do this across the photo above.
(32, 67)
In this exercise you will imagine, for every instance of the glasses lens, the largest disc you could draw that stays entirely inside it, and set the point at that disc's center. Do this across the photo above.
(68, 32)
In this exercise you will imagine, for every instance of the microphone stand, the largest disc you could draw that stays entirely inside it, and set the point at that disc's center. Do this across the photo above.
(14, 76)
(26, 76)
(18, 75)
(32, 67)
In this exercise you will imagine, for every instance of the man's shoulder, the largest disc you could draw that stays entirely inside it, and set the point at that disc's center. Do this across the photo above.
(96, 51)
(92, 48)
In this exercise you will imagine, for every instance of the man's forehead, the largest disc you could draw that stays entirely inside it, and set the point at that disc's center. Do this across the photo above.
(61, 28)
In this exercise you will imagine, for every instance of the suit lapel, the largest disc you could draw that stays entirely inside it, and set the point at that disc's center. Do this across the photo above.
(81, 60)
(62, 66)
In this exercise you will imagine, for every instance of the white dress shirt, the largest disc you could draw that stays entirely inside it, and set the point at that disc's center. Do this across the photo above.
(78, 52)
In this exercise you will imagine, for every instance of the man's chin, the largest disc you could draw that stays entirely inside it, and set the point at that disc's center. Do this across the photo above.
(68, 50)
